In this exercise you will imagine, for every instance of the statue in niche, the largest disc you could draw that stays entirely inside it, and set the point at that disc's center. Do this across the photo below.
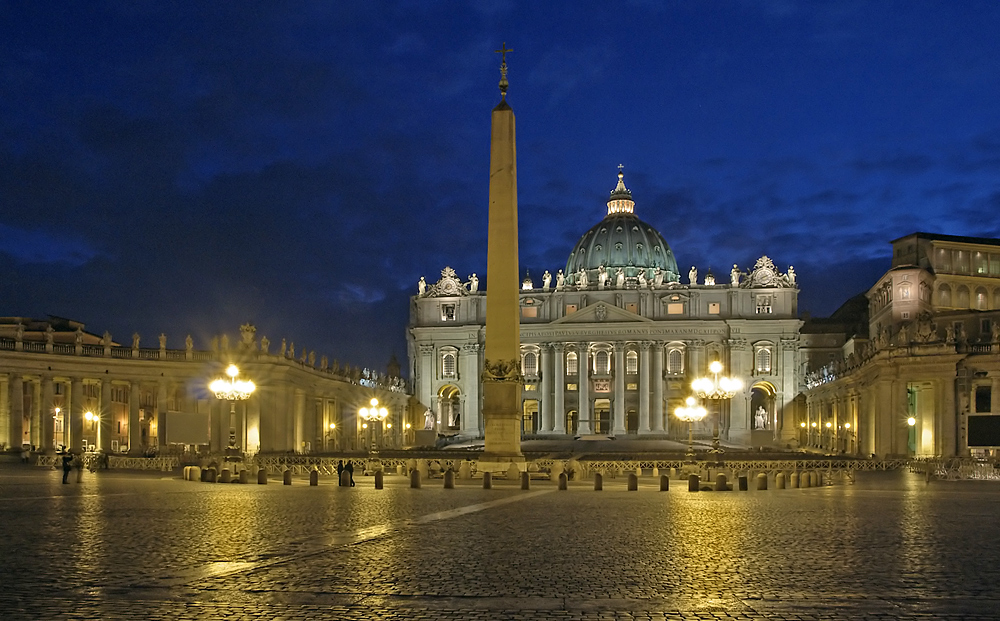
(79, 336)
(546, 280)
(734, 276)
(163, 340)
(422, 286)
(189, 343)
(454, 421)
(581, 278)
(658, 277)
(473, 283)
(264, 344)
(643, 283)
(602, 277)
(224, 342)
(560, 280)
(791, 275)
(995, 332)
(429, 419)
(620, 279)
(760, 418)
(135, 340)
(693, 275)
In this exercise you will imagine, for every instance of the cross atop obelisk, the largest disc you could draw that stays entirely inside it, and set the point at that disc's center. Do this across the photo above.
(503, 69)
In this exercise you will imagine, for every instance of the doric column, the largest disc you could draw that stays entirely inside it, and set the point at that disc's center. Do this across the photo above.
(546, 393)
(644, 387)
(134, 429)
(583, 390)
(16, 431)
(657, 426)
(559, 398)
(104, 425)
(46, 441)
(76, 409)
(161, 414)
(619, 413)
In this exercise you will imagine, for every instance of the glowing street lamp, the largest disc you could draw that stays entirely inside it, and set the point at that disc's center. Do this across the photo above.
(372, 414)
(690, 413)
(716, 388)
(232, 390)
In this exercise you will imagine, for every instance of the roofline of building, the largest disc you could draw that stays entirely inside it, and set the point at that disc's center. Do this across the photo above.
(990, 241)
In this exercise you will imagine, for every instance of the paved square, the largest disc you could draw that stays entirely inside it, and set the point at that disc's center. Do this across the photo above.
(150, 546)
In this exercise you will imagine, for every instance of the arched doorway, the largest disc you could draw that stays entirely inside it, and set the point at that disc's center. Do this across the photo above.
(450, 407)
(763, 416)
(602, 416)
(529, 417)
(632, 422)
(572, 422)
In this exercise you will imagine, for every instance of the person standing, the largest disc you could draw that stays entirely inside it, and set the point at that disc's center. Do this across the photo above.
(349, 468)
(67, 465)
(340, 472)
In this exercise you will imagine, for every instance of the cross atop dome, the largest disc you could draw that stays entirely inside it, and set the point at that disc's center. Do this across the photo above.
(621, 198)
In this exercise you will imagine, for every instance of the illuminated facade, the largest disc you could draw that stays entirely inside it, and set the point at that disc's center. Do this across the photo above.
(610, 345)
(924, 378)
(63, 386)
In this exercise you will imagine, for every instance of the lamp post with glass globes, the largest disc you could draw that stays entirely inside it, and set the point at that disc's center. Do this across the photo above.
(372, 415)
(232, 390)
(690, 413)
(93, 419)
(716, 388)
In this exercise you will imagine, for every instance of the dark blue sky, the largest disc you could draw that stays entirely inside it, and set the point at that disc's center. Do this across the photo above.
(187, 167)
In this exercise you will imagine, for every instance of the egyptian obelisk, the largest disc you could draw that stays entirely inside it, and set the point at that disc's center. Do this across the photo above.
(502, 364)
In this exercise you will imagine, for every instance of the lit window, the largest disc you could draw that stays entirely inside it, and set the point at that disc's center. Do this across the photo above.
(714, 308)
(675, 308)
(570, 309)
(602, 363)
(764, 360)
(675, 362)
(571, 363)
(529, 311)
(631, 363)
(448, 365)
(529, 365)
(632, 307)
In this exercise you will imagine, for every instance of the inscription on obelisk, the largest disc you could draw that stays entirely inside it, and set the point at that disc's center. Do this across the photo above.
(502, 366)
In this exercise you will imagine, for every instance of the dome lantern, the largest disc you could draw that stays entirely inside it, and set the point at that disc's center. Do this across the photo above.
(621, 198)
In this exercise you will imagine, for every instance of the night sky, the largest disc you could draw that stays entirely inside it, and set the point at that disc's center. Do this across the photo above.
(188, 167)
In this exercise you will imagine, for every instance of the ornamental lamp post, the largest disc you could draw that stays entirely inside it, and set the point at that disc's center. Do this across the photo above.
(716, 388)
(372, 415)
(232, 390)
(690, 413)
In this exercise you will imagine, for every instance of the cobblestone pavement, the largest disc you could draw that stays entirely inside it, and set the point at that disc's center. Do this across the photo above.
(150, 546)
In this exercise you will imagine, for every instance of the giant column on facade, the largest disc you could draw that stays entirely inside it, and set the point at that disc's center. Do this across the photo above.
(501, 367)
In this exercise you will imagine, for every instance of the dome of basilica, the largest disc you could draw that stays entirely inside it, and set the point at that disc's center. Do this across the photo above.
(622, 240)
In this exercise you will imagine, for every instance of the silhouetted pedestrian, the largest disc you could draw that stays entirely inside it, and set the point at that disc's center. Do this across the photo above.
(350, 471)
(67, 465)
(340, 472)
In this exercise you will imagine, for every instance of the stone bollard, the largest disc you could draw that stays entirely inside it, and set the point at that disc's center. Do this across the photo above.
(345, 479)
(762, 481)
(225, 476)
(244, 476)
(598, 481)
(211, 474)
(262, 477)
(449, 479)
(378, 479)
(286, 477)
(314, 477)
(513, 472)
(414, 479)
(814, 479)
(694, 483)
(423, 468)
(656, 472)
(743, 483)
(465, 470)
(487, 480)
(793, 480)
(401, 470)
(664, 483)
(563, 481)
(633, 482)
(525, 480)
(638, 471)
(805, 480)
(721, 484)
(779, 480)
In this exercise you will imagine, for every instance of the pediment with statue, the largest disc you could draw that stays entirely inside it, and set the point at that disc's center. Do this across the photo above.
(448, 286)
(765, 275)
(602, 312)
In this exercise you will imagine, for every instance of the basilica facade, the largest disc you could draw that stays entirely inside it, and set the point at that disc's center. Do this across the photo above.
(611, 342)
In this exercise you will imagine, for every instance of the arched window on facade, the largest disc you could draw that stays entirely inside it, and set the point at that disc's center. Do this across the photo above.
(602, 363)
(675, 362)
(962, 297)
(944, 296)
(631, 363)
(529, 364)
(571, 363)
(763, 362)
(982, 299)
(448, 367)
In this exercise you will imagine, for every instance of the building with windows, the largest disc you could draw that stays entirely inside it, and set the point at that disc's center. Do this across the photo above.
(610, 343)
(63, 386)
(923, 377)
